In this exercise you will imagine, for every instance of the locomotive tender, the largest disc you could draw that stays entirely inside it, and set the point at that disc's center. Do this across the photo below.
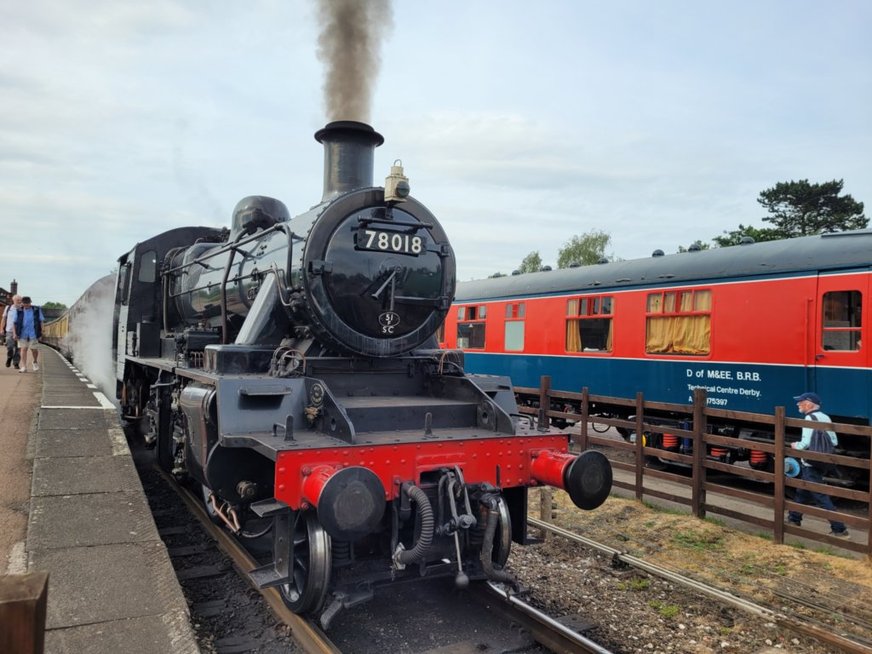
(289, 368)
(753, 324)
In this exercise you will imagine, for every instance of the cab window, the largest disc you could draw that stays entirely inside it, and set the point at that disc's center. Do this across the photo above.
(148, 266)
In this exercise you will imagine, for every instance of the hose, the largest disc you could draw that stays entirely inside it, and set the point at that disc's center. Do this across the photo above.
(425, 514)
(487, 547)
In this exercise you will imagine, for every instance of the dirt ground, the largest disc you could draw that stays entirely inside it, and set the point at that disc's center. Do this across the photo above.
(713, 552)
(20, 396)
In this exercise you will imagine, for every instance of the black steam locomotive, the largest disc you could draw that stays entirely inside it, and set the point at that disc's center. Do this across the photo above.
(288, 367)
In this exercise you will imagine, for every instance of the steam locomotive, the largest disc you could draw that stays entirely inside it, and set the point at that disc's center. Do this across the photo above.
(288, 367)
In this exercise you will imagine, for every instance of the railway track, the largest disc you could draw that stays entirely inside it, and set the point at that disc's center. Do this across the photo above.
(801, 612)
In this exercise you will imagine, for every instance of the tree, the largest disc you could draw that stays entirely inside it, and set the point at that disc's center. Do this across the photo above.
(802, 209)
(694, 247)
(583, 250)
(54, 305)
(531, 263)
(734, 237)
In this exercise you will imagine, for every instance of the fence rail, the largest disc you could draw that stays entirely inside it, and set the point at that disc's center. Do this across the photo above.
(700, 463)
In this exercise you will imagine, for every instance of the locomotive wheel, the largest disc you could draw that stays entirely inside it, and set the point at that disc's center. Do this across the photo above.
(311, 564)
(503, 537)
(166, 454)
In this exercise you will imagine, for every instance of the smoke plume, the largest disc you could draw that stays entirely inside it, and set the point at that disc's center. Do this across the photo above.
(349, 45)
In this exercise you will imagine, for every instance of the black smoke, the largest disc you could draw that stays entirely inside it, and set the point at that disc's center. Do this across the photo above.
(349, 44)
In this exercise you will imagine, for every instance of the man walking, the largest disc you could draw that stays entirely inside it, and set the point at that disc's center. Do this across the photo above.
(809, 404)
(27, 329)
(13, 356)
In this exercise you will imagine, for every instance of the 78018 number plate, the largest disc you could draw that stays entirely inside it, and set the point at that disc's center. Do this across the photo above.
(384, 241)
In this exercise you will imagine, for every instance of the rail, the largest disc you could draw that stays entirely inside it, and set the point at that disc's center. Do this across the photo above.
(698, 415)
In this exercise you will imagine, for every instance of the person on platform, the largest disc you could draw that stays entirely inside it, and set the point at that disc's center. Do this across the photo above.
(809, 404)
(27, 330)
(13, 356)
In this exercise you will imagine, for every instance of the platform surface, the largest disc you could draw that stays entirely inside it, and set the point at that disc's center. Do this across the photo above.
(112, 587)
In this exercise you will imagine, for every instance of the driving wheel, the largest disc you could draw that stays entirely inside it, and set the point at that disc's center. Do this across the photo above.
(310, 566)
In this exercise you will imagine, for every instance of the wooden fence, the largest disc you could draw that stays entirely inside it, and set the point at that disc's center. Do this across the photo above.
(698, 415)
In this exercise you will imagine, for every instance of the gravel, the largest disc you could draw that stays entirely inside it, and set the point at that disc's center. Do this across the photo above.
(632, 611)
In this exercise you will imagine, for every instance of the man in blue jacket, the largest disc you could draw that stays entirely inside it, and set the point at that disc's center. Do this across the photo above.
(27, 330)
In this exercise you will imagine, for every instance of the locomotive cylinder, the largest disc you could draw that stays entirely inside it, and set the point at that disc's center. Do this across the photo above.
(586, 477)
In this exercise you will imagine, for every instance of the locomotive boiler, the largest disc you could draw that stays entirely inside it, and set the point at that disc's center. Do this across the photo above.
(288, 367)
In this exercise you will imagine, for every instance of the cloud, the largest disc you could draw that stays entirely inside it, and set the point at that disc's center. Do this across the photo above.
(659, 123)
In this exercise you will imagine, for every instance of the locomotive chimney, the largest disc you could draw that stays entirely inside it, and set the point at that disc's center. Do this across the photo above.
(349, 150)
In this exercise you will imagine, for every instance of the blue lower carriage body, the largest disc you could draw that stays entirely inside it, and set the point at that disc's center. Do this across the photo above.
(751, 387)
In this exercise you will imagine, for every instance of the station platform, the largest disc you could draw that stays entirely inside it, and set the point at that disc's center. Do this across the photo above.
(111, 584)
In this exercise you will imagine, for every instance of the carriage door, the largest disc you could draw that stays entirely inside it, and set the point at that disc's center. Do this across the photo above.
(840, 343)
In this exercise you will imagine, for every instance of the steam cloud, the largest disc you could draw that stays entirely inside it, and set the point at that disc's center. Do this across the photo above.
(90, 336)
(349, 45)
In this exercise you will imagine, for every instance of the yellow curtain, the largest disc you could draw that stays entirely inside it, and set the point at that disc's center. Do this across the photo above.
(692, 335)
(687, 334)
(702, 301)
(573, 336)
(659, 335)
(572, 307)
(679, 335)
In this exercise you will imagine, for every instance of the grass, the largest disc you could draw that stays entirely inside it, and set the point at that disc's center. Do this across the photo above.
(698, 541)
(635, 584)
(663, 509)
(665, 610)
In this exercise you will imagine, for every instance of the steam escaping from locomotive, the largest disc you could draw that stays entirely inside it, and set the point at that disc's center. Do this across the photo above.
(89, 339)
(349, 43)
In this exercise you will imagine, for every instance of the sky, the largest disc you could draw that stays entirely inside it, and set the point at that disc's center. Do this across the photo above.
(519, 124)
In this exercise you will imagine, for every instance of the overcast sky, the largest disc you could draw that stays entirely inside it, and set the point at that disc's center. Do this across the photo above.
(520, 124)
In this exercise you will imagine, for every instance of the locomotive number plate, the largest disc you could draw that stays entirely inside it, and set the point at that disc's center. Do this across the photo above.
(375, 239)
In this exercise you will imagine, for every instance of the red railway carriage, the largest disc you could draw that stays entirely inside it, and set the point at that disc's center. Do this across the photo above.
(753, 324)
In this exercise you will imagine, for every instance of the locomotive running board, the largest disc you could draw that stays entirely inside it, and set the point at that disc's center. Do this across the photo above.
(276, 573)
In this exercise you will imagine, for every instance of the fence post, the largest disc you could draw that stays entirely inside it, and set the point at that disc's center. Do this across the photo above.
(585, 416)
(869, 506)
(697, 497)
(780, 487)
(22, 612)
(544, 403)
(640, 439)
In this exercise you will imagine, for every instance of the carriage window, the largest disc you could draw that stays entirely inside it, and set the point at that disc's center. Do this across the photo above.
(148, 266)
(514, 333)
(679, 322)
(841, 320)
(470, 326)
(589, 324)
